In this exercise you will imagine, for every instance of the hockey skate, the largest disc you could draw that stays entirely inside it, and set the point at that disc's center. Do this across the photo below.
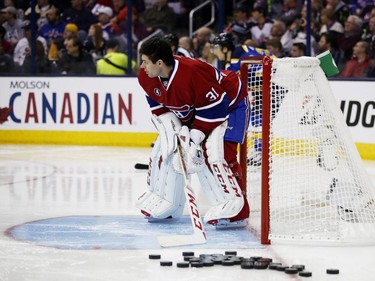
(238, 221)
(152, 219)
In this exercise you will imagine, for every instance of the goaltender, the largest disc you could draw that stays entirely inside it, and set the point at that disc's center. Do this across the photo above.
(191, 98)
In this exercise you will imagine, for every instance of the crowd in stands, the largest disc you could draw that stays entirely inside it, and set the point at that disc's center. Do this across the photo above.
(88, 37)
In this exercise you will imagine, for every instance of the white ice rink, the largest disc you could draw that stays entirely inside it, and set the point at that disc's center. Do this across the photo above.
(67, 213)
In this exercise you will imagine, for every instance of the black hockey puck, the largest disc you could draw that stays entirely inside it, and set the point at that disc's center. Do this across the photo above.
(291, 270)
(273, 265)
(255, 258)
(228, 262)
(217, 259)
(154, 257)
(332, 271)
(183, 264)
(305, 273)
(247, 265)
(237, 260)
(140, 166)
(231, 253)
(196, 264)
(268, 260)
(260, 265)
(187, 254)
(207, 263)
(281, 267)
(299, 267)
(194, 259)
(166, 263)
(205, 256)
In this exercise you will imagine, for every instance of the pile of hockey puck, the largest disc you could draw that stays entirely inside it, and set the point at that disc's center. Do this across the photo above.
(230, 258)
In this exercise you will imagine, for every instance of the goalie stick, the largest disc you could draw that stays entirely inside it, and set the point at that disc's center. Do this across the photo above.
(199, 236)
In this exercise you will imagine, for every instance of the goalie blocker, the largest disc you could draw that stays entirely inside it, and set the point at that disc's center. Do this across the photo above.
(220, 180)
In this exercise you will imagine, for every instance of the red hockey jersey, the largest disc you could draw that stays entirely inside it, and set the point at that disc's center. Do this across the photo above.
(200, 95)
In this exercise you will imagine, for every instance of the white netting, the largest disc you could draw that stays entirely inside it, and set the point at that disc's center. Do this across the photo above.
(319, 190)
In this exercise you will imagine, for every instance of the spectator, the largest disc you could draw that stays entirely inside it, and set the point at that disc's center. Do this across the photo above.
(93, 5)
(370, 36)
(148, 3)
(23, 47)
(298, 50)
(80, 16)
(352, 34)
(316, 7)
(54, 27)
(120, 14)
(361, 62)
(273, 45)
(279, 31)
(75, 61)
(327, 42)
(241, 17)
(340, 8)
(315, 21)
(203, 35)
(367, 12)
(185, 47)
(11, 3)
(110, 29)
(208, 56)
(291, 11)
(327, 16)
(4, 44)
(70, 31)
(241, 34)
(6, 61)
(41, 9)
(296, 33)
(42, 64)
(275, 9)
(119, 18)
(159, 16)
(95, 43)
(114, 62)
(12, 25)
(261, 30)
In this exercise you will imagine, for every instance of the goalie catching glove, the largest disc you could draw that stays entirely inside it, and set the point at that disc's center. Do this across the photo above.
(192, 151)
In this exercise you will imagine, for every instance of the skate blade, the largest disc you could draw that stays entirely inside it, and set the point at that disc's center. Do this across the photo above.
(226, 224)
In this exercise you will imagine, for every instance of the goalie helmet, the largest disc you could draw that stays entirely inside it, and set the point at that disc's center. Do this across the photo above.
(224, 40)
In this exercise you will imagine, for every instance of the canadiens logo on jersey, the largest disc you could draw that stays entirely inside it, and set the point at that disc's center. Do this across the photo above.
(183, 112)
(157, 92)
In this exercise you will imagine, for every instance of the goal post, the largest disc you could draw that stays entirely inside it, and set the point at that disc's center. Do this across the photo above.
(310, 184)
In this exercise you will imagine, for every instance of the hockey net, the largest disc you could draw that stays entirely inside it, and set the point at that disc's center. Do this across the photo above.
(304, 174)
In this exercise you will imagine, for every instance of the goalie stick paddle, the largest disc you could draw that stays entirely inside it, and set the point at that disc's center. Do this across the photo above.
(199, 236)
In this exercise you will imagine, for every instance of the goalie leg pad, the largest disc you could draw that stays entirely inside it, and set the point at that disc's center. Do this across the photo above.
(165, 194)
(168, 125)
(219, 183)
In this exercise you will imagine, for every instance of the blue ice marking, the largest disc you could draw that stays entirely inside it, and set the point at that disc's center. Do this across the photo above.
(122, 232)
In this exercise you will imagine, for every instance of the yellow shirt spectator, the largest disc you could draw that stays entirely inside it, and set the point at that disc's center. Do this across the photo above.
(113, 63)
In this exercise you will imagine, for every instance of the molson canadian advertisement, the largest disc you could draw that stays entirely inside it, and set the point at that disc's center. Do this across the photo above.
(81, 108)
(114, 111)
